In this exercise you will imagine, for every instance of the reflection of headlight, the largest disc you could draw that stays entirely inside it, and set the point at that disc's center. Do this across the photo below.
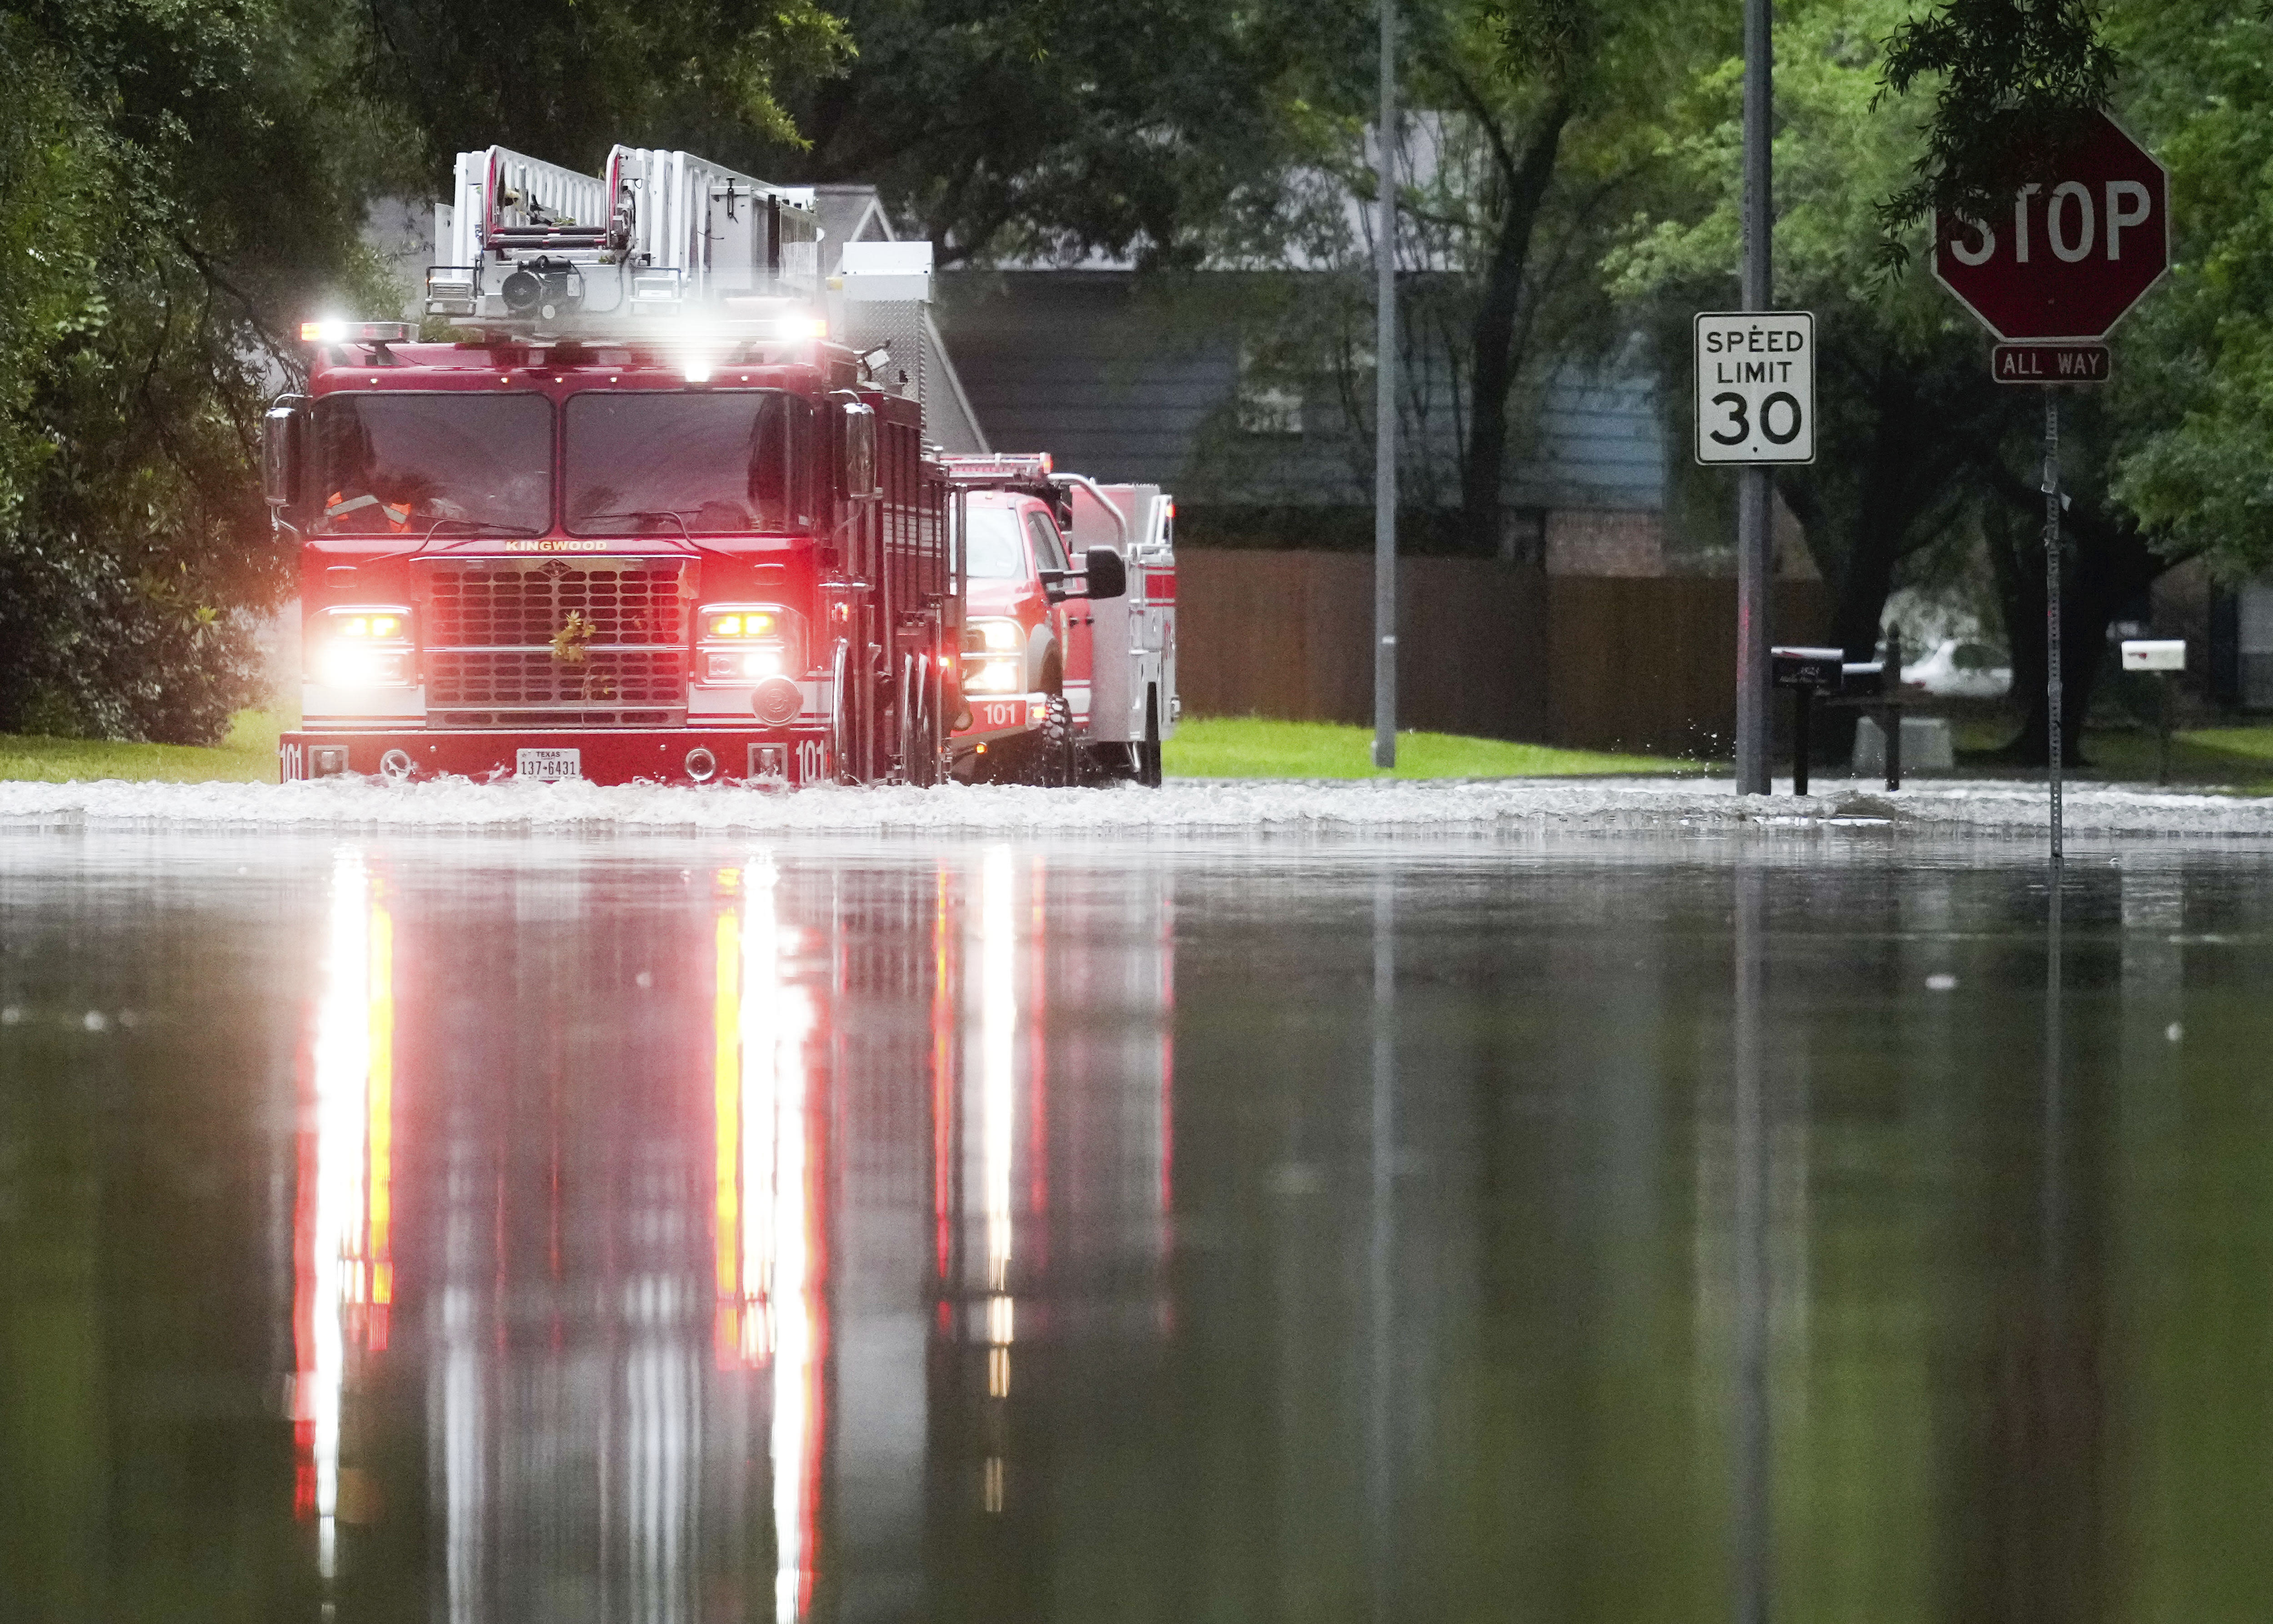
(991, 675)
(994, 636)
(343, 664)
(740, 665)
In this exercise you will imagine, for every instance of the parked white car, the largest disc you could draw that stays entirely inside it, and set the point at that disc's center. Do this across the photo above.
(1961, 669)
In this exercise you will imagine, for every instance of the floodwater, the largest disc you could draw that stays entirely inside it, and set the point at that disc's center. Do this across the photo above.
(640, 1228)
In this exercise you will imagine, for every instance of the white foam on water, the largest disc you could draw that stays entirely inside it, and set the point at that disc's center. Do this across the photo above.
(1219, 806)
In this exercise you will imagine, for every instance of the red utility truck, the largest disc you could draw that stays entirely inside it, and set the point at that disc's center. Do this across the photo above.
(1061, 687)
(645, 518)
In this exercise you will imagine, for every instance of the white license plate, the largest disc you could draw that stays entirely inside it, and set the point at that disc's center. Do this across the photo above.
(548, 764)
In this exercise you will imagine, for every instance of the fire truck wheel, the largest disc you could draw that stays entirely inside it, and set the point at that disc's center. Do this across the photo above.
(1148, 754)
(916, 757)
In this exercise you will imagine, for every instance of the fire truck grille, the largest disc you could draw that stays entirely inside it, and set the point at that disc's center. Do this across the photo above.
(609, 677)
(486, 607)
(521, 643)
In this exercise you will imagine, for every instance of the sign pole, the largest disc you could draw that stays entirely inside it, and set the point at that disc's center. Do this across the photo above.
(1385, 408)
(1753, 560)
(2056, 734)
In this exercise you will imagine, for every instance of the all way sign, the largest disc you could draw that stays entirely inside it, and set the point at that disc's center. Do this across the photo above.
(1756, 386)
(2049, 362)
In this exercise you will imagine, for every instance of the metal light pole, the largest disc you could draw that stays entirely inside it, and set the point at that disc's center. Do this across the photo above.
(1384, 407)
(1753, 553)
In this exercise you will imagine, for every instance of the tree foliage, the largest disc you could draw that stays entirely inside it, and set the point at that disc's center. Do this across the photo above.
(2011, 79)
(566, 80)
(1059, 129)
(1903, 398)
(176, 179)
(2196, 382)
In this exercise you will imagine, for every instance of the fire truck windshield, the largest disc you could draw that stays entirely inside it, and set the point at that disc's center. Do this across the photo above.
(728, 462)
(403, 464)
(996, 552)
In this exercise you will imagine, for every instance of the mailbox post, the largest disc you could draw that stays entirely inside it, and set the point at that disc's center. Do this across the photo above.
(2161, 656)
(1805, 672)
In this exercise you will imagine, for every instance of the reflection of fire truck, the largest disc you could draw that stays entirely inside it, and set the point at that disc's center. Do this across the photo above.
(649, 518)
(773, 1203)
(1062, 689)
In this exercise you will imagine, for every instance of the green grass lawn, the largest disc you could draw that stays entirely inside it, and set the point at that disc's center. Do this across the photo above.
(1255, 747)
(247, 755)
(2236, 758)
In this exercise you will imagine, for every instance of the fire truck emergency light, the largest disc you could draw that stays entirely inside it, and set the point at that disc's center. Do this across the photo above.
(338, 331)
(1035, 467)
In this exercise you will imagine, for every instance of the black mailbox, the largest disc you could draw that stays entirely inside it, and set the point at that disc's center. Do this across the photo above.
(1864, 679)
(1810, 671)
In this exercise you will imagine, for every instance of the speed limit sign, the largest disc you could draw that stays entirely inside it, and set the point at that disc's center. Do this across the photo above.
(1755, 387)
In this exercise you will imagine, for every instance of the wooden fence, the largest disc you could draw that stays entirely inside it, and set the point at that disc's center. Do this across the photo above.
(1483, 648)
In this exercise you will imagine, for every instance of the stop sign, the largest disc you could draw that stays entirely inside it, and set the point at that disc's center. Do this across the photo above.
(2073, 253)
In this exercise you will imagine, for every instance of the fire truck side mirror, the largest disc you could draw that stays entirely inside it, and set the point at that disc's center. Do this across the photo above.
(283, 458)
(860, 454)
(1108, 576)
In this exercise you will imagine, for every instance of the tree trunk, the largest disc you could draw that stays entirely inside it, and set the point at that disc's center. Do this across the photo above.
(1493, 357)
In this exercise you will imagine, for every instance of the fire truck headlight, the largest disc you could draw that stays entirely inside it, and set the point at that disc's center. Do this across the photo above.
(745, 623)
(344, 664)
(995, 674)
(742, 665)
(361, 648)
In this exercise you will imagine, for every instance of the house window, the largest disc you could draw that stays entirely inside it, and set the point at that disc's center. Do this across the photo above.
(1269, 400)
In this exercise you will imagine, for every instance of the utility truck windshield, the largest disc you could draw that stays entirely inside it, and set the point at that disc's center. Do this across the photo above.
(413, 463)
(723, 462)
(996, 551)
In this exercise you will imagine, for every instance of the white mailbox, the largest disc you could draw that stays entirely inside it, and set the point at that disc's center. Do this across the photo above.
(2154, 654)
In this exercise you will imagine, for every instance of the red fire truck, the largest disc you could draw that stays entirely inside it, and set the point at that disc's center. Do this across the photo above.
(648, 517)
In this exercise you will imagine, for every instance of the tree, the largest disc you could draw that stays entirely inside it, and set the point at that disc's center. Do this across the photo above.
(1055, 129)
(180, 181)
(2197, 384)
(1516, 149)
(1903, 398)
(2011, 76)
(566, 80)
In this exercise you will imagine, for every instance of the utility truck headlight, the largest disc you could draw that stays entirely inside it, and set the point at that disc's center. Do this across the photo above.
(995, 674)
(994, 636)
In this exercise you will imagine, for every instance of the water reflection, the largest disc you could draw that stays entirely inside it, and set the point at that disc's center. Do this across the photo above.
(683, 1233)
(343, 1269)
(623, 1361)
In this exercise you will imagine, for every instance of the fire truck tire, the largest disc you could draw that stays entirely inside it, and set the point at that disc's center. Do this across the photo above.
(1148, 754)
(917, 756)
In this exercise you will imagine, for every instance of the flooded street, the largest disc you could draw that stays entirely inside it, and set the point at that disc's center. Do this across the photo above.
(643, 1228)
